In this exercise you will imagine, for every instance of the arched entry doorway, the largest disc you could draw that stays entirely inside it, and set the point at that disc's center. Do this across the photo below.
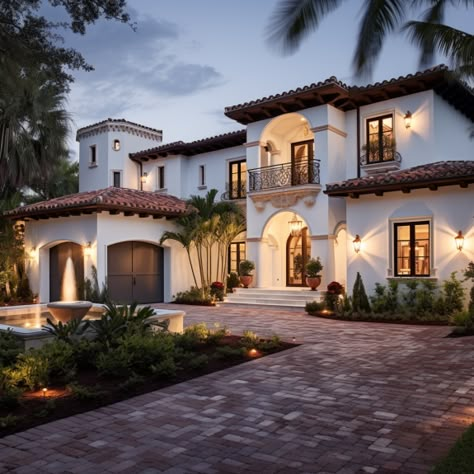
(135, 272)
(58, 257)
(298, 253)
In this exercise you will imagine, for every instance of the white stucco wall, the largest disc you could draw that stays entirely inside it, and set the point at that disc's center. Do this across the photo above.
(448, 208)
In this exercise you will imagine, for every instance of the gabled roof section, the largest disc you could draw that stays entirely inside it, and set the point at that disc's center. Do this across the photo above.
(113, 200)
(431, 176)
(119, 125)
(343, 97)
(204, 145)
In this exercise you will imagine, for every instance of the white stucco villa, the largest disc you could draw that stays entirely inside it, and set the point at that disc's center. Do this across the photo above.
(389, 166)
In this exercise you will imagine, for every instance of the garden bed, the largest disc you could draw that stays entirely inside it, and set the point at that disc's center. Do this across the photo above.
(88, 389)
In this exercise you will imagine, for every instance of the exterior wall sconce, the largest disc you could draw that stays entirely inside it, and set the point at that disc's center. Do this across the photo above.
(295, 226)
(356, 243)
(407, 119)
(459, 239)
(143, 177)
(116, 145)
(87, 249)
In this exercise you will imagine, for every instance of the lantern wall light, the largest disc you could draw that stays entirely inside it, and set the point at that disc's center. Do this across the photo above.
(144, 177)
(87, 249)
(33, 253)
(356, 243)
(407, 119)
(459, 239)
(295, 226)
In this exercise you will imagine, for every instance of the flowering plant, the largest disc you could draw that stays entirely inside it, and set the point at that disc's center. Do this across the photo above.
(217, 285)
(335, 289)
(217, 290)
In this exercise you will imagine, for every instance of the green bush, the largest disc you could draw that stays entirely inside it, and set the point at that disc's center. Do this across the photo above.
(32, 370)
(132, 382)
(246, 267)
(198, 362)
(385, 299)
(10, 347)
(360, 302)
(9, 421)
(66, 332)
(60, 358)
(86, 352)
(164, 369)
(463, 319)
(314, 306)
(453, 294)
(10, 397)
(228, 352)
(249, 339)
(233, 281)
(81, 392)
(269, 344)
(194, 296)
(113, 363)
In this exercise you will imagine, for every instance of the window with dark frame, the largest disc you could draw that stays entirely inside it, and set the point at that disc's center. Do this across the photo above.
(412, 249)
(237, 179)
(236, 253)
(117, 180)
(202, 175)
(380, 141)
(93, 155)
(161, 177)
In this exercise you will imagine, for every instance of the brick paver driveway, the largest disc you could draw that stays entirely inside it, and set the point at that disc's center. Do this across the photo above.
(354, 397)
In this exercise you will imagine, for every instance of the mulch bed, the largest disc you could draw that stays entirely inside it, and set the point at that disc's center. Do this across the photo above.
(37, 408)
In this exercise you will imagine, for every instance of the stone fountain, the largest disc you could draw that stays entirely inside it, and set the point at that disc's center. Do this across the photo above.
(69, 308)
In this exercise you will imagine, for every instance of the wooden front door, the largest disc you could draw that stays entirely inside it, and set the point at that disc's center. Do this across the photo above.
(135, 272)
(297, 255)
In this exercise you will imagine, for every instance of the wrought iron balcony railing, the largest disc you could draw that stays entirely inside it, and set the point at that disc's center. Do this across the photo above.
(386, 154)
(284, 175)
(234, 191)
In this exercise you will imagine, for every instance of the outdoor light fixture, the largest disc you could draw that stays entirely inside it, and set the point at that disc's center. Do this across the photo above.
(144, 177)
(116, 145)
(408, 119)
(45, 391)
(459, 239)
(295, 226)
(33, 253)
(88, 249)
(356, 243)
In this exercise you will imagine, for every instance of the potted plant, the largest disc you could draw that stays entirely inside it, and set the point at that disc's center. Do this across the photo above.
(313, 273)
(246, 268)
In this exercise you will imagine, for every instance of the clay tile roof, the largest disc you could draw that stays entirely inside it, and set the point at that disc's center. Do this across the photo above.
(114, 200)
(217, 142)
(111, 121)
(432, 175)
(345, 98)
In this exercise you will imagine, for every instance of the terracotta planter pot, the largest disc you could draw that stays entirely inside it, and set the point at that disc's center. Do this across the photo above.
(246, 280)
(313, 282)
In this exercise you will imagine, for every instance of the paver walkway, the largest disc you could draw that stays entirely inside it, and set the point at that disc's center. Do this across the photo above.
(354, 397)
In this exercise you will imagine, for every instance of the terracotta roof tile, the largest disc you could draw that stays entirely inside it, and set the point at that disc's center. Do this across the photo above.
(441, 173)
(109, 199)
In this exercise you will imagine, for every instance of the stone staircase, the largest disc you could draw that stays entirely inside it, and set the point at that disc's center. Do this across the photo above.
(290, 297)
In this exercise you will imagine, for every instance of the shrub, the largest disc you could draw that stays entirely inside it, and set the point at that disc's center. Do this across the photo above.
(133, 381)
(85, 353)
(333, 293)
(60, 359)
(249, 339)
(9, 421)
(66, 332)
(453, 294)
(463, 319)
(385, 299)
(214, 336)
(313, 267)
(269, 344)
(217, 290)
(81, 392)
(113, 363)
(314, 306)
(246, 267)
(360, 302)
(228, 352)
(10, 347)
(31, 369)
(469, 274)
(194, 296)
(10, 397)
(198, 362)
(232, 281)
(164, 369)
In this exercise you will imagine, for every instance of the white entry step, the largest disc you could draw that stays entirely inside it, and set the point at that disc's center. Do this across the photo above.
(290, 297)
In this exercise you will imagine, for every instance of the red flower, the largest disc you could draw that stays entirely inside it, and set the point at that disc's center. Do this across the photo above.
(335, 288)
(217, 285)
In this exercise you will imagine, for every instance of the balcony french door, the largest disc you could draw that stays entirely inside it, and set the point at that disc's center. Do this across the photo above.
(302, 154)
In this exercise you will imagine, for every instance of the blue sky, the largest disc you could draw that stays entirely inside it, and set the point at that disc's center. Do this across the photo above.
(189, 59)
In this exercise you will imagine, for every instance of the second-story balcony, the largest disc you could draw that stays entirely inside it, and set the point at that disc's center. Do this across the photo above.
(284, 175)
(284, 184)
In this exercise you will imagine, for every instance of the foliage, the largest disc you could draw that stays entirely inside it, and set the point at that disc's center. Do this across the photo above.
(249, 339)
(85, 352)
(460, 458)
(453, 294)
(91, 290)
(269, 344)
(360, 302)
(199, 362)
(463, 320)
(10, 397)
(314, 306)
(113, 363)
(469, 274)
(8, 421)
(66, 332)
(332, 298)
(246, 267)
(217, 290)
(228, 352)
(193, 296)
(293, 20)
(232, 281)
(385, 299)
(32, 370)
(313, 267)
(81, 392)
(133, 381)
(10, 347)
(164, 369)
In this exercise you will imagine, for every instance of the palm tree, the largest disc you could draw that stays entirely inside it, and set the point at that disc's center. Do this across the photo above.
(293, 20)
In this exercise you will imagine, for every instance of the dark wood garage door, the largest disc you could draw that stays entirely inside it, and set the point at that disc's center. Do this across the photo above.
(58, 256)
(135, 272)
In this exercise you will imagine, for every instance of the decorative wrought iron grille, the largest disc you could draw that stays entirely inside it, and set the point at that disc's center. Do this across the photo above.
(388, 154)
(284, 175)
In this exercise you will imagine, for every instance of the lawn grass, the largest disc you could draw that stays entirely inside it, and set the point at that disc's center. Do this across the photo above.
(460, 460)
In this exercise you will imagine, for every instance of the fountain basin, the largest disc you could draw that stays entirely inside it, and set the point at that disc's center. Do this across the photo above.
(66, 311)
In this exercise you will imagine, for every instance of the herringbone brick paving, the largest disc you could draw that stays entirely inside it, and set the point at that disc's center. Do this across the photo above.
(353, 398)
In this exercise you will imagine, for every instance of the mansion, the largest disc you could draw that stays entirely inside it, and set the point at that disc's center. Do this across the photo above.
(376, 179)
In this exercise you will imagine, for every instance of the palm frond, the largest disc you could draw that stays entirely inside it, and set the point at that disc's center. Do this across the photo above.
(293, 20)
(380, 17)
(452, 43)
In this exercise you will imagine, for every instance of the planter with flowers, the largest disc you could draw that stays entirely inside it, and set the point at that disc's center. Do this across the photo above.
(333, 295)
(217, 290)
(313, 273)
(246, 268)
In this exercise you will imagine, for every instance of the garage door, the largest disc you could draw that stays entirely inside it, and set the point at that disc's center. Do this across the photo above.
(135, 272)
